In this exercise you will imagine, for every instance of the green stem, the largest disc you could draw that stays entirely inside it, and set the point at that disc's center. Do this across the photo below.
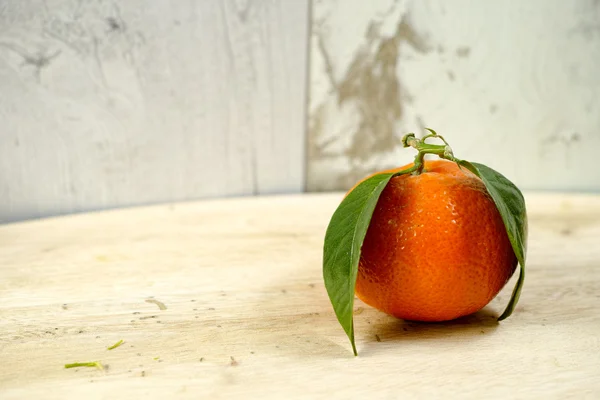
(114, 346)
(443, 151)
(93, 364)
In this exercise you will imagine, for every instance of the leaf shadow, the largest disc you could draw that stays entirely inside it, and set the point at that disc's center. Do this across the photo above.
(293, 320)
(389, 329)
(312, 330)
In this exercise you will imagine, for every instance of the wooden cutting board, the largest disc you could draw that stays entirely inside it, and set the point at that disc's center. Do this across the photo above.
(247, 315)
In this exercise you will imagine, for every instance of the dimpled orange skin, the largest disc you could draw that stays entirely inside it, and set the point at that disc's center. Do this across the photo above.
(436, 248)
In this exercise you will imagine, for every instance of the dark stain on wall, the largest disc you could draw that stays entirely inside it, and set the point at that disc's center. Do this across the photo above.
(371, 85)
(463, 52)
(38, 60)
(372, 88)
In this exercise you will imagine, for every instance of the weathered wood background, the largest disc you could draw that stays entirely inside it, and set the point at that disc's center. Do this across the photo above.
(512, 84)
(108, 104)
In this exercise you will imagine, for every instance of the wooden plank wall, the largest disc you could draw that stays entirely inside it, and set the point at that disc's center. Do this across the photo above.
(512, 84)
(108, 104)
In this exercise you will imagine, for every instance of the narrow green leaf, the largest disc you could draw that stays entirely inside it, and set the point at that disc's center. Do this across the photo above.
(114, 346)
(91, 364)
(343, 240)
(511, 205)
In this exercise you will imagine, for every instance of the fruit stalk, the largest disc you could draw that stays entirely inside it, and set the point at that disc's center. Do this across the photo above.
(443, 151)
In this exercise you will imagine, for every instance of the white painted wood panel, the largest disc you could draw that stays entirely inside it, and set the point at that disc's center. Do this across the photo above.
(512, 84)
(107, 104)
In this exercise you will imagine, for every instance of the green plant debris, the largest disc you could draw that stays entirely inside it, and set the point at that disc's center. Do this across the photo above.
(160, 304)
(114, 346)
(91, 364)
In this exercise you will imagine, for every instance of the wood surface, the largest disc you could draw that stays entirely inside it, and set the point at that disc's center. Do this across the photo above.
(116, 103)
(247, 315)
(491, 76)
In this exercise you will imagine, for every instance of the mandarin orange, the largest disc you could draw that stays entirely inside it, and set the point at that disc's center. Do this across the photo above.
(436, 248)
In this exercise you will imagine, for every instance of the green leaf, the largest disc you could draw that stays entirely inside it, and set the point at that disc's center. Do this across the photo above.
(511, 205)
(343, 240)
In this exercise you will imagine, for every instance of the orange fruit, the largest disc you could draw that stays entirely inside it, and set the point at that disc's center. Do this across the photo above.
(436, 248)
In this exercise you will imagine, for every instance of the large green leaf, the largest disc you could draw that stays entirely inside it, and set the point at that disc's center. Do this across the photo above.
(511, 205)
(343, 240)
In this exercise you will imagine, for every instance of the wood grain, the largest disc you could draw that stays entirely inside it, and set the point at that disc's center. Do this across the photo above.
(247, 315)
(108, 104)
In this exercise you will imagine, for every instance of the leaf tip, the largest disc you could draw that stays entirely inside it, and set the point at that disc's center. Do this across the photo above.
(354, 348)
(504, 315)
(432, 131)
